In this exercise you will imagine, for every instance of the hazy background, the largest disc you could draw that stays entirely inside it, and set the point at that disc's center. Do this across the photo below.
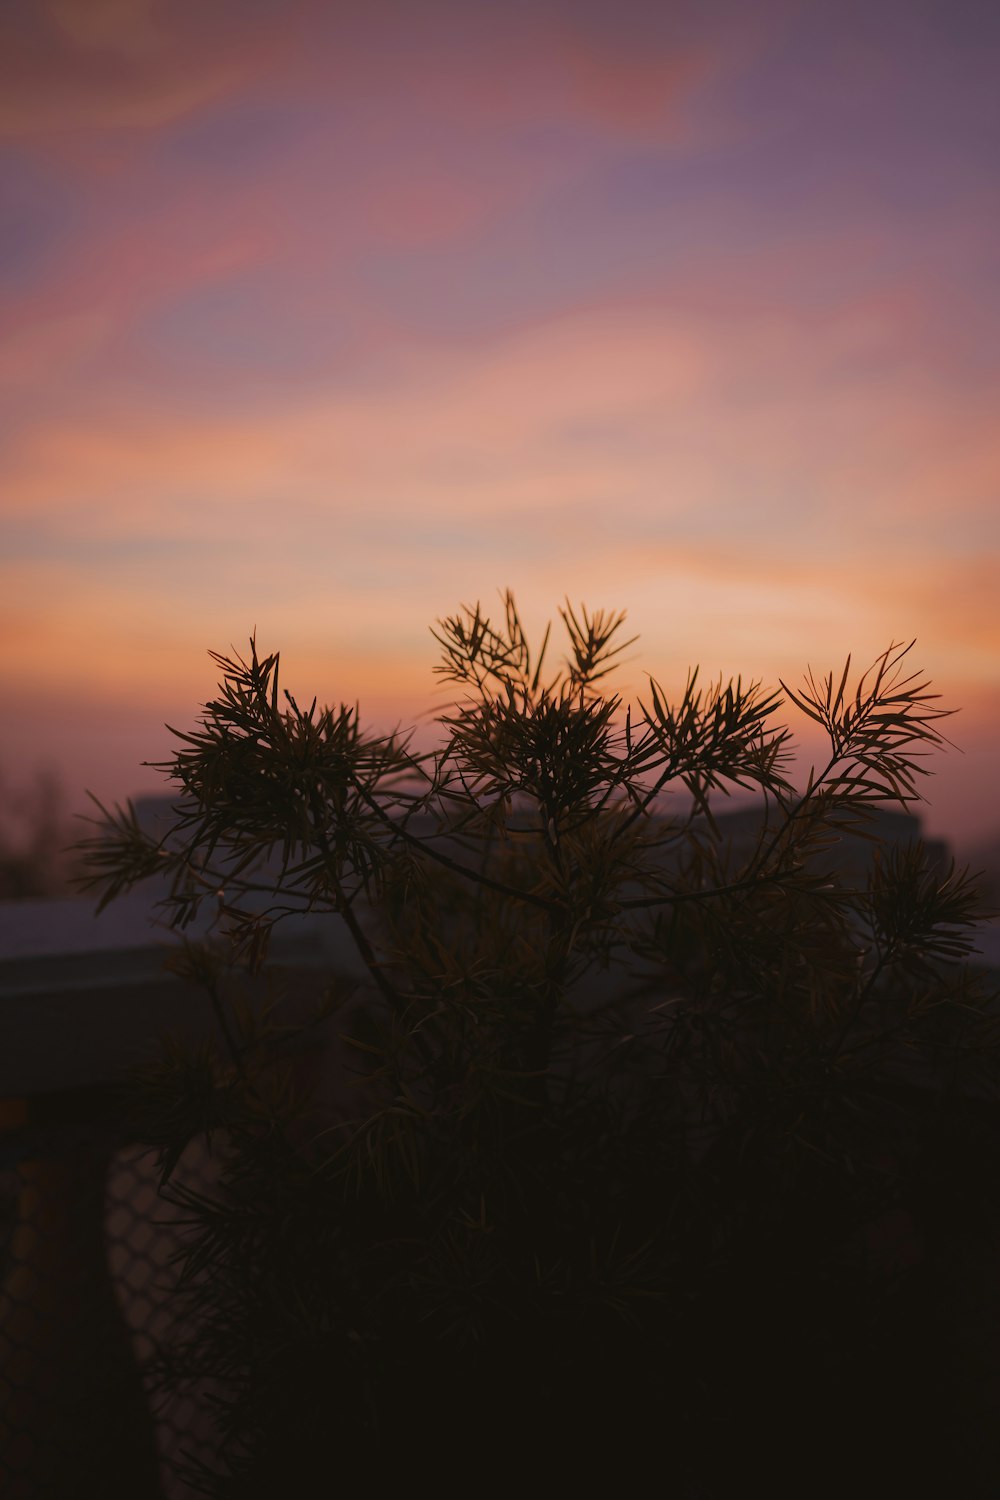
(322, 318)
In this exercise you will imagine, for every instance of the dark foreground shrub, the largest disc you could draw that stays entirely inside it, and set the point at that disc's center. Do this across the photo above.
(640, 1141)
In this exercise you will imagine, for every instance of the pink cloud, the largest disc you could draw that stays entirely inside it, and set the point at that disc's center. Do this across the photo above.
(775, 451)
(86, 65)
(483, 66)
(32, 351)
(674, 408)
(140, 65)
(122, 26)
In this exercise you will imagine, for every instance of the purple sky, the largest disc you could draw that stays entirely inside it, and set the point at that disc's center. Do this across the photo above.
(324, 318)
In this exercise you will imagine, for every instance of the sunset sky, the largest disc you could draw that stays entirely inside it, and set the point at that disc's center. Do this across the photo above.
(324, 318)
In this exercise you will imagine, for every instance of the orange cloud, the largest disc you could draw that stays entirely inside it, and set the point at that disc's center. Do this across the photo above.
(659, 407)
(31, 352)
(767, 449)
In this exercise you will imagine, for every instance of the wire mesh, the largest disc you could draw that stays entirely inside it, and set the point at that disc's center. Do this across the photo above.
(87, 1299)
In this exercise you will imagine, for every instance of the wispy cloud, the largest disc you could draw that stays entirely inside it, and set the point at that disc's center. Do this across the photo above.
(323, 320)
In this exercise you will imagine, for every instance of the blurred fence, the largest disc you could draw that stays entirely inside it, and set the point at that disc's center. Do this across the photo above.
(87, 1246)
(86, 1302)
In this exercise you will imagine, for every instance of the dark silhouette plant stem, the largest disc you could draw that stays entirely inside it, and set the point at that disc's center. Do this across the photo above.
(633, 1120)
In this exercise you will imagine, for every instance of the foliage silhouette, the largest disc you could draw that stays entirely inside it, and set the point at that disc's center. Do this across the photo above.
(634, 1105)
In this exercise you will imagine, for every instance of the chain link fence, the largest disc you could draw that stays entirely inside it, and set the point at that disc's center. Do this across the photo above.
(86, 1302)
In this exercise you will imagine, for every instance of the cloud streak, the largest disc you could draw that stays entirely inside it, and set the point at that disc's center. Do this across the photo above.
(323, 321)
